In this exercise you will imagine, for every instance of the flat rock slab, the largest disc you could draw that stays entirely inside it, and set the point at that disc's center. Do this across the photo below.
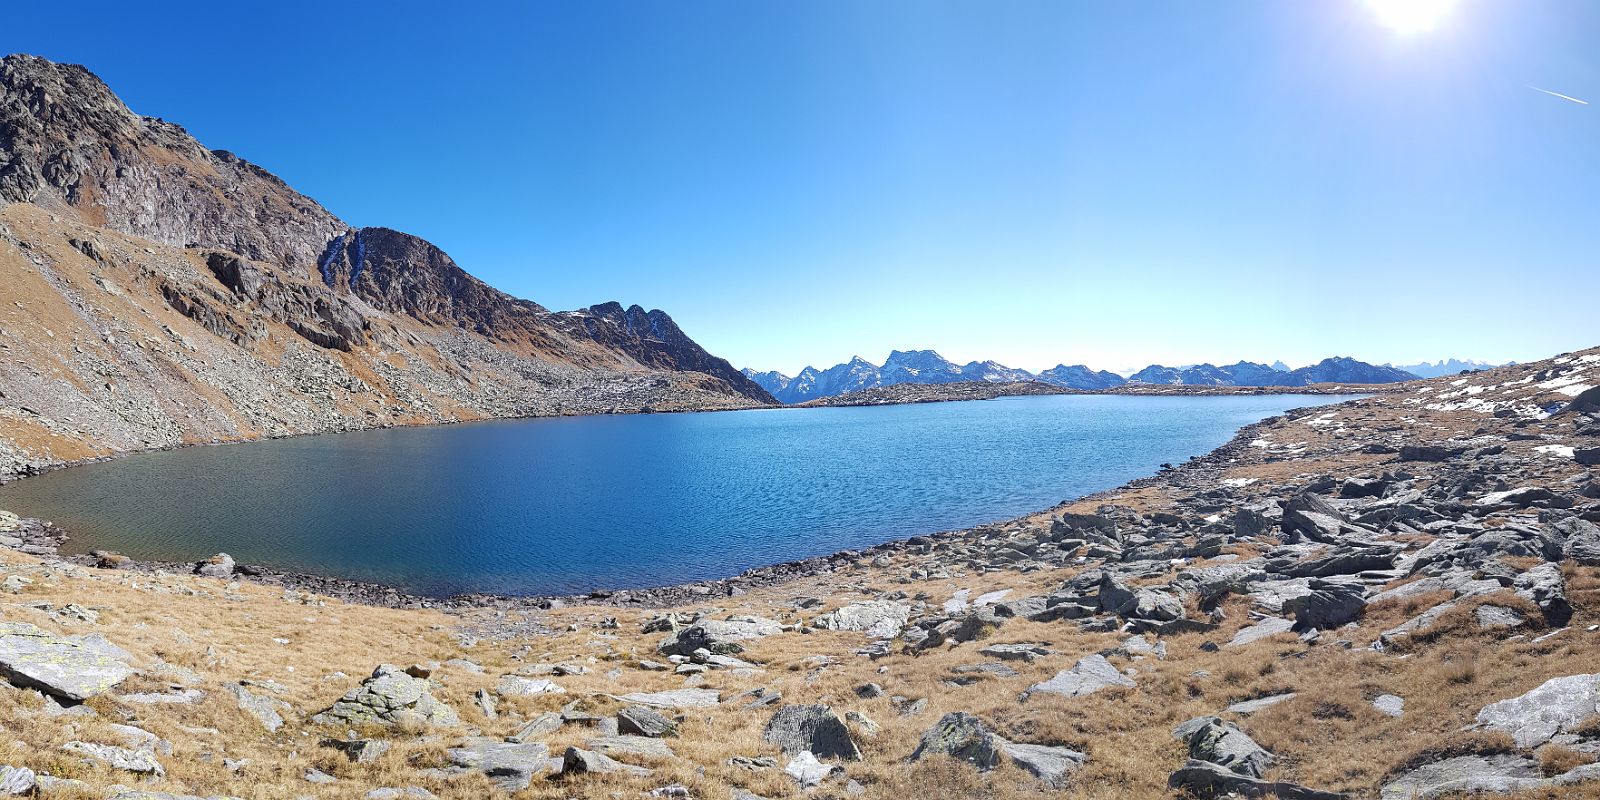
(519, 686)
(1248, 707)
(1260, 630)
(68, 667)
(675, 698)
(636, 746)
(1089, 675)
(1558, 705)
(1466, 775)
(386, 698)
(509, 765)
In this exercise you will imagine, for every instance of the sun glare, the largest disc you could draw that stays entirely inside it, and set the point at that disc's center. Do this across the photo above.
(1411, 16)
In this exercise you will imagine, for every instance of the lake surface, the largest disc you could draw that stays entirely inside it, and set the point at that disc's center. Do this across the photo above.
(574, 504)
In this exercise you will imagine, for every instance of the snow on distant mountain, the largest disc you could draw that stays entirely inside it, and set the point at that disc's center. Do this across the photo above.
(927, 366)
(1449, 366)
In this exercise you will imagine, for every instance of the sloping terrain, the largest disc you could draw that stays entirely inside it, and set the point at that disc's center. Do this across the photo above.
(1396, 597)
(157, 293)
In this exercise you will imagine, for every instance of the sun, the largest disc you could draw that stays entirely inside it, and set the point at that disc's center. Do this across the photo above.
(1411, 16)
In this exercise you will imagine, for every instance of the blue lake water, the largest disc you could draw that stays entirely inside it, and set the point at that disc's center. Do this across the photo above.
(574, 504)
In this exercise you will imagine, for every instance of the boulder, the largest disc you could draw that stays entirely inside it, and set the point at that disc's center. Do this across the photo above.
(808, 772)
(722, 637)
(1547, 589)
(359, 751)
(73, 668)
(811, 728)
(575, 761)
(642, 721)
(1329, 605)
(1089, 675)
(964, 737)
(1207, 780)
(388, 697)
(879, 619)
(218, 566)
(1224, 744)
(1052, 766)
(1556, 706)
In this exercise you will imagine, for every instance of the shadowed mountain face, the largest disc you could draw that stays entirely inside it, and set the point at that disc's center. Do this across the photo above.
(117, 228)
(926, 366)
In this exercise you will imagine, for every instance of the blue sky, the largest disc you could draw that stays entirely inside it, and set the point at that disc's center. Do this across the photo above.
(1113, 183)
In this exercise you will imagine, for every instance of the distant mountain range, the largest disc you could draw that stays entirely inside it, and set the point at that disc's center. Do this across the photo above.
(1449, 366)
(927, 366)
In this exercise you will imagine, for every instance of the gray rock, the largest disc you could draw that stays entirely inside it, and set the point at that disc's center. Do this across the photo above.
(636, 746)
(1261, 630)
(722, 637)
(16, 781)
(542, 724)
(1329, 605)
(1245, 708)
(809, 772)
(264, 709)
(1546, 588)
(1207, 780)
(1025, 652)
(1556, 706)
(68, 667)
(1492, 617)
(218, 566)
(1052, 766)
(575, 761)
(387, 697)
(642, 721)
(813, 728)
(962, 737)
(675, 698)
(879, 619)
(142, 762)
(1392, 704)
(1089, 675)
(360, 751)
(1466, 775)
(509, 765)
(1224, 744)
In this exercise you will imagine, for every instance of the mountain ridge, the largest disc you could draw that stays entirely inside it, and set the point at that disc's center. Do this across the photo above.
(163, 293)
(928, 367)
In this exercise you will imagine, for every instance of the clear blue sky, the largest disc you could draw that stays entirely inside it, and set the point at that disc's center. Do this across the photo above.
(796, 182)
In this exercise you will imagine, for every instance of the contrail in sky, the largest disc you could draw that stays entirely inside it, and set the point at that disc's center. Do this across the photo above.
(1560, 95)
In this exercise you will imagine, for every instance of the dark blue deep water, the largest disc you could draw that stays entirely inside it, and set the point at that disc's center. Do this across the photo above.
(567, 505)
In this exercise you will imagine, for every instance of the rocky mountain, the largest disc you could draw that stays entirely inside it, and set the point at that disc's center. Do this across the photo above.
(928, 367)
(1448, 366)
(1347, 370)
(161, 292)
(1079, 376)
